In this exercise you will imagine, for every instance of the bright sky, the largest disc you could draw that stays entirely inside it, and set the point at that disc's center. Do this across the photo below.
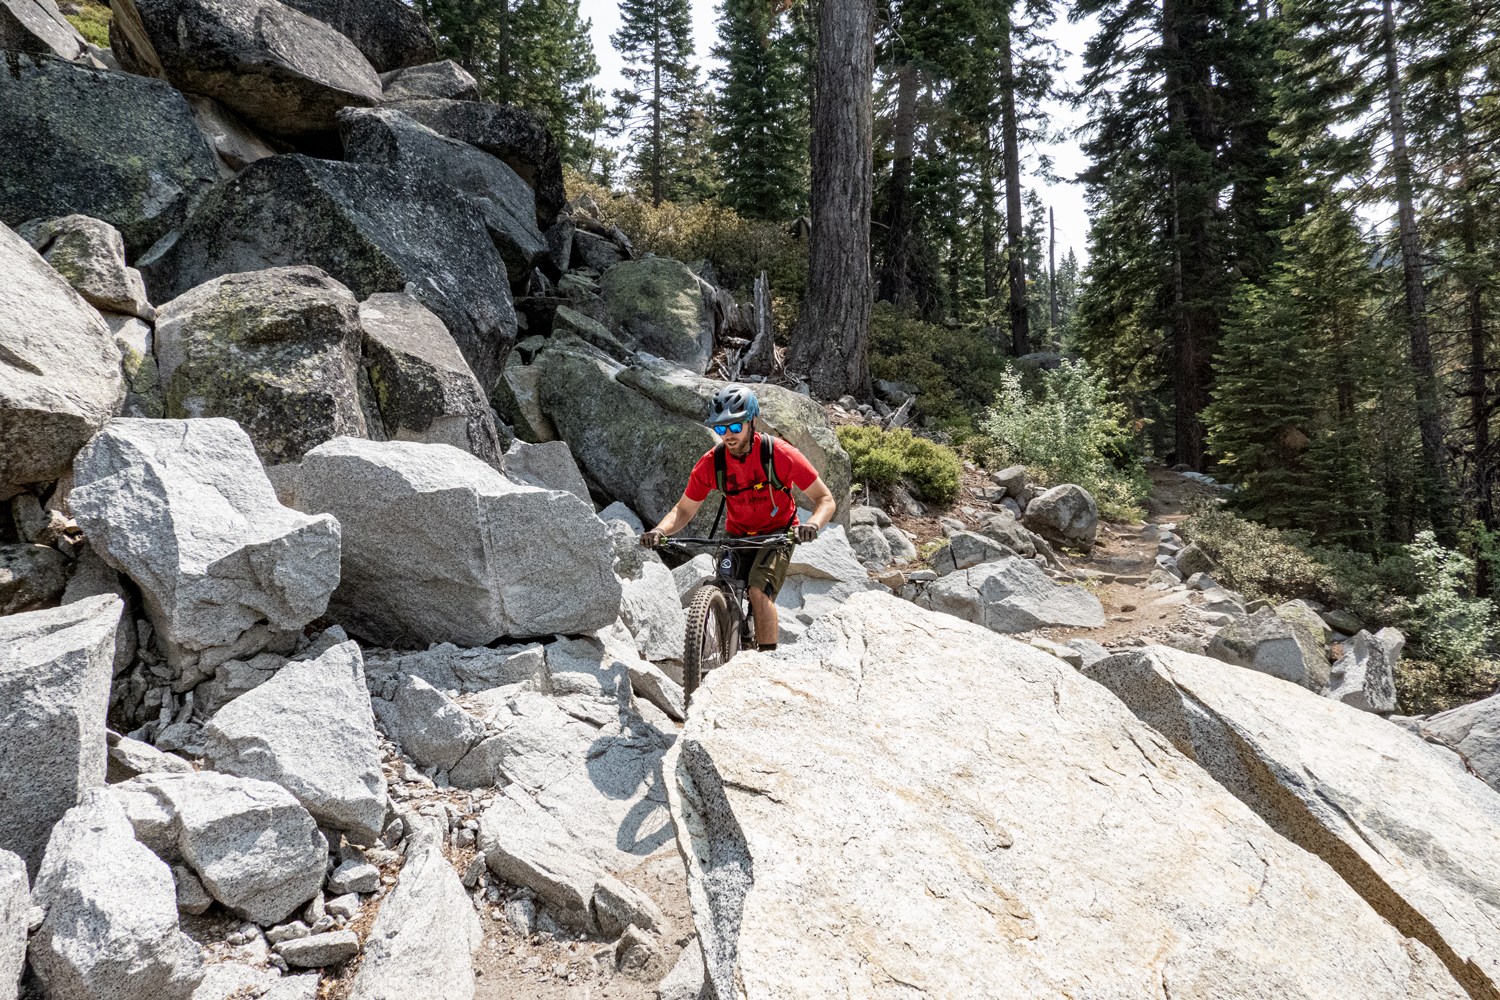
(1068, 160)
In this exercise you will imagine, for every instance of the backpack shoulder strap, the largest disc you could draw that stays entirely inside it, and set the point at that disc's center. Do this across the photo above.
(768, 461)
(721, 471)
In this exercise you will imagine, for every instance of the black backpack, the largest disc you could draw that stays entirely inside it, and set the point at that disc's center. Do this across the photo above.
(767, 464)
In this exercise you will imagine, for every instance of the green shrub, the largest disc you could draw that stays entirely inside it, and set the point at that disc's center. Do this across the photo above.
(882, 459)
(1419, 588)
(92, 21)
(1451, 628)
(956, 370)
(1065, 430)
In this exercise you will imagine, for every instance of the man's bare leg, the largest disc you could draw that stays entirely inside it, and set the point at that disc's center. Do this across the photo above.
(767, 624)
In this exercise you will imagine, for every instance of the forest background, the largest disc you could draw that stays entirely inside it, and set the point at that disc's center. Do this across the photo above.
(1289, 279)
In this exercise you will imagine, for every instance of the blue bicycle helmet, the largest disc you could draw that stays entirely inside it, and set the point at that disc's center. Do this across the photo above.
(731, 403)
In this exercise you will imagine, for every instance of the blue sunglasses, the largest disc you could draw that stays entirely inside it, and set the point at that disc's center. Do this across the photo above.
(733, 428)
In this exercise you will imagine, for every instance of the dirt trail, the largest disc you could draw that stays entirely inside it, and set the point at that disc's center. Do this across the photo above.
(1124, 556)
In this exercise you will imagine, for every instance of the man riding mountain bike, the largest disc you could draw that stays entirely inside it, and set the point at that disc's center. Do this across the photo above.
(756, 473)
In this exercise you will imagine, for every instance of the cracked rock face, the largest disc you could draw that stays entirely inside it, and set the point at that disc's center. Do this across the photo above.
(1349, 787)
(968, 811)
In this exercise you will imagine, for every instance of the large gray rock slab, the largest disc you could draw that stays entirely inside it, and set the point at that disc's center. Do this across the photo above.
(388, 138)
(1416, 836)
(1064, 514)
(250, 843)
(111, 927)
(38, 28)
(277, 68)
(534, 562)
(1365, 676)
(431, 727)
(1473, 732)
(520, 139)
(55, 672)
(113, 146)
(632, 448)
(424, 938)
(445, 80)
(1012, 595)
(185, 510)
(658, 303)
(371, 228)
(15, 922)
(1274, 645)
(389, 33)
(422, 385)
(59, 367)
(309, 729)
(947, 747)
(90, 255)
(277, 351)
(31, 577)
(548, 465)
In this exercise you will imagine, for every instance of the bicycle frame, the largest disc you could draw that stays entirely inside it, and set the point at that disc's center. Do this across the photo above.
(726, 579)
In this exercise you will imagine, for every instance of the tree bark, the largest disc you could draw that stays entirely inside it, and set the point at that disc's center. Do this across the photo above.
(1020, 331)
(830, 343)
(1429, 418)
(1195, 325)
(988, 241)
(656, 113)
(896, 285)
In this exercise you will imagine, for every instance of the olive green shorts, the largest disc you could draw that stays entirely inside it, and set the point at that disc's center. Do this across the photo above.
(764, 569)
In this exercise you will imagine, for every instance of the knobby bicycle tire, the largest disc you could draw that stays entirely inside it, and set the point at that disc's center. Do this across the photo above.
(708, 609)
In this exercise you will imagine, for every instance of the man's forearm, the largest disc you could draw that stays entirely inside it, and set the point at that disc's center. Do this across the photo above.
(823, 512)
(675, 521)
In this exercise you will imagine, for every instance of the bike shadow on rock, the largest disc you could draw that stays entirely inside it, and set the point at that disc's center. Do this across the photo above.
(628, 768)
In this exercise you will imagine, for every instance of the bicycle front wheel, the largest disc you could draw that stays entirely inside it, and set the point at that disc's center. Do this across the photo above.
(709, 637)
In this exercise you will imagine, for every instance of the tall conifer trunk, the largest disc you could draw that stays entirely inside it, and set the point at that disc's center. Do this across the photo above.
(896, 283)
(656, 99)
(1020, 332)
(1429, 419)
(830, 343)
(1195, 324)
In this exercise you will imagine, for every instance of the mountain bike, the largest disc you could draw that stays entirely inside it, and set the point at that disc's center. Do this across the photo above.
(720, 621)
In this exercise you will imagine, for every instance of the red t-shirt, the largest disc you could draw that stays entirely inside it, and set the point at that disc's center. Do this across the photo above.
(752, 511)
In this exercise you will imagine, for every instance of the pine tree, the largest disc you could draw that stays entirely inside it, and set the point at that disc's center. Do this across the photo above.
(1179, 96)
(1304, 360)
(1348, 58)
(761, 111)
(664, 110)
(534, 54)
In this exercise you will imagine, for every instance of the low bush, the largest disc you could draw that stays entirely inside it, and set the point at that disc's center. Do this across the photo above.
(956, 370)
(92, 21)
(883, 459)
(1065, 429)
(1419, 588)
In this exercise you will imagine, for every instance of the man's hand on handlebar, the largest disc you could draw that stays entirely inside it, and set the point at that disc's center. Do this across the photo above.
(653, 538)
(805, 532)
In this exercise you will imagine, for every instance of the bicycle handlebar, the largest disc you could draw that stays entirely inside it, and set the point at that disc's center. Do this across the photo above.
(732, 542)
